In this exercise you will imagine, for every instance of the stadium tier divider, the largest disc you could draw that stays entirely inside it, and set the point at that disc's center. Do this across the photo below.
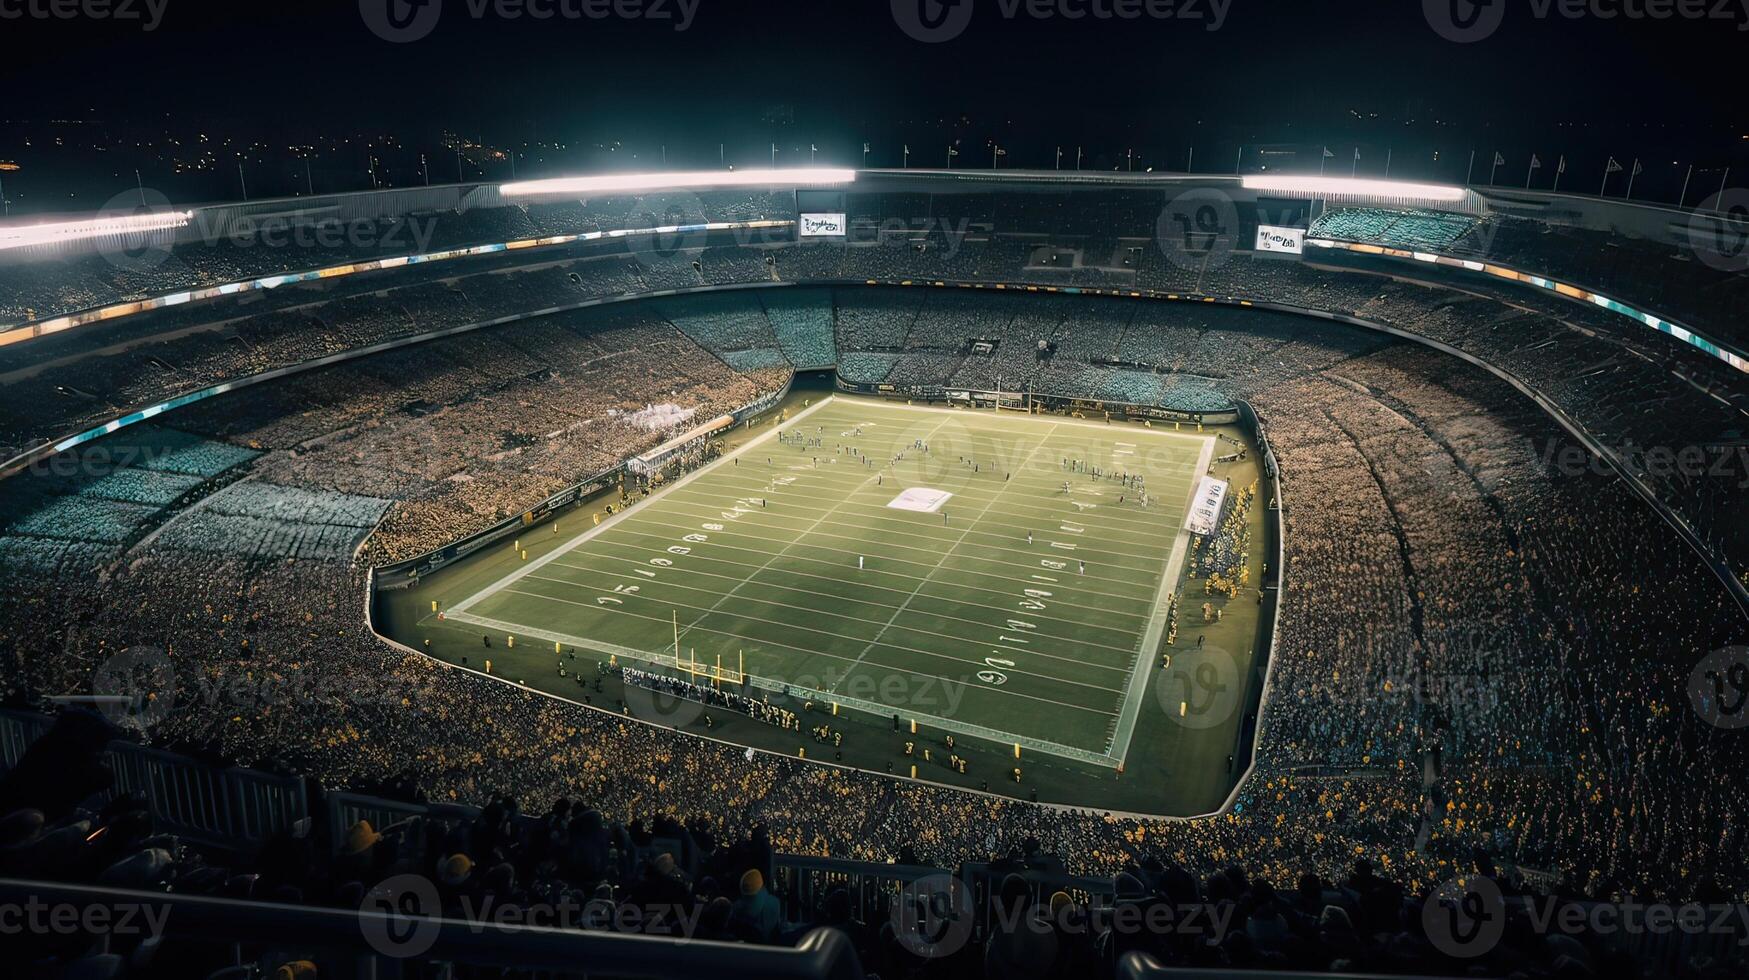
(242, 930)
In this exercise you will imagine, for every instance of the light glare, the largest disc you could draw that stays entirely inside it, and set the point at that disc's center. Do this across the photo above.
(620, 183)
(1353, 187)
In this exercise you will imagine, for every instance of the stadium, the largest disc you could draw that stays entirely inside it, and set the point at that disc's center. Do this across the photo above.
(835, 571)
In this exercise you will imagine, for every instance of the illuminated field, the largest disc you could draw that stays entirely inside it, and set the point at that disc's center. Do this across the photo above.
(838, 571)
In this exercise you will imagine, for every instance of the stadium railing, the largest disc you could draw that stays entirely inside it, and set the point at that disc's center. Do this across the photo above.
(1142, 966)
(206, 804)
(367, 943)
(218, 807)
(802, 883)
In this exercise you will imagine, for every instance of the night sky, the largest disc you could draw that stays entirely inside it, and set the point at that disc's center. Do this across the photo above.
(563, 91)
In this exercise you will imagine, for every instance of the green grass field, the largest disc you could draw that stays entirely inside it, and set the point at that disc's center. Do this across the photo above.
(952, 618)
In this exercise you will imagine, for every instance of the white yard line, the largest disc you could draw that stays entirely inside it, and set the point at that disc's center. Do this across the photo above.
(994, 562)
(589, 535)
(632, 653)
(1047, 678)
(1143, 670)
(1004, 610)
(875, 512)
(938, 566)
(849, 618)
(1134, 692)
(798, 539)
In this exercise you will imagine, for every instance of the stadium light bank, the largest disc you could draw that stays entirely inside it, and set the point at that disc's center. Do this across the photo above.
(1355, 187)
(54, 232)
(624, 183)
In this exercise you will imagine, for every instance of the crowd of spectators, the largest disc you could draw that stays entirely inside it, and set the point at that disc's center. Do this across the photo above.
(1478, 648)
(575, 864)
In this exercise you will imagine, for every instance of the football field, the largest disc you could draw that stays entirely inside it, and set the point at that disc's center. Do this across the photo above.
(994, 574)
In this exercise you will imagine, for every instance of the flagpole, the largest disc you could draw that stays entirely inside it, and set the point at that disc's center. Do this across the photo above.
(1606, 172)
(1190, 161)
(1685, 180)
(1354, 166)
(1494, 169)
(1323, 159)
(1560, 168)
(1472, 171)
(1722, 181)
(1529, 170)
(1633, 172)
(1388, 152)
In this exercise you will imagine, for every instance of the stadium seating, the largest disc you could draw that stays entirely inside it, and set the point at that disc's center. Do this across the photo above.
(1468, 631)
